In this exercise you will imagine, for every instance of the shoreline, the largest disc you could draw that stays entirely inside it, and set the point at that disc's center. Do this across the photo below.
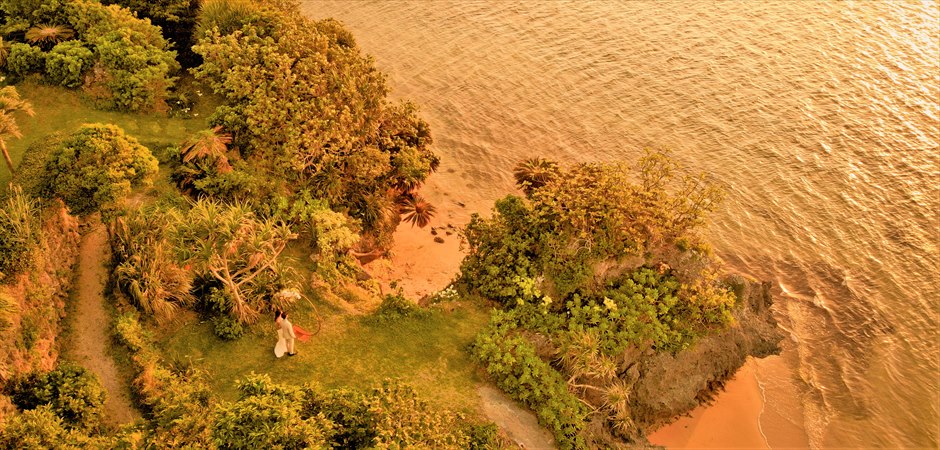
(419, 266)
(731, 420)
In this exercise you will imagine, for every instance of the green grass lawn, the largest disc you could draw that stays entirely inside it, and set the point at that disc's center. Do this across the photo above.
(350, 351)
(60, 109)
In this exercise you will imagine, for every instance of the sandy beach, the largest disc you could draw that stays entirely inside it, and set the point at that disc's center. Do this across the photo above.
(731, 421)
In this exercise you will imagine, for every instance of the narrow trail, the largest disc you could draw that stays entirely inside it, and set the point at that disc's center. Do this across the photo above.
(90, 338)
(519, 423)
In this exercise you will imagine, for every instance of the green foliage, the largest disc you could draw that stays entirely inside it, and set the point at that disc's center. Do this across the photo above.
(132, 65)
(144, 268)
(607, 243)
(338, 137)
(267, 416)
(512, 363)
(9, 311)
(94, 167)
(396, 307)
(19, 12)
(25, 59)
(19, 232)
(227, 328)
(635, 310)
(67, 62)
(72, 394)
(502, 250)
(230, 244)
(39, 429)
(179, 403)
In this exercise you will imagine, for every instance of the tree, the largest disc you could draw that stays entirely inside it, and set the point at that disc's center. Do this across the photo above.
(417, 211)
(144, 267)
(211, 145)
(228, 243)
(309, 110)
(11, 102)
(94, 167)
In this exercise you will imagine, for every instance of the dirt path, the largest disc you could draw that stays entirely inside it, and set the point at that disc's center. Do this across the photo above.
(90, 337)
(519, 423)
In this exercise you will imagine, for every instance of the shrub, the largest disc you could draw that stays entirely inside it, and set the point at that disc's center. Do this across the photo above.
(266, 416)
(143, 265)
(36, 429)
(25, 59)
(396, 307)
(67, 62)
(94, 167)
(227, 328)
(512, 363)
(19, 232)
(135, 65)
(72, 393)
(357, 150)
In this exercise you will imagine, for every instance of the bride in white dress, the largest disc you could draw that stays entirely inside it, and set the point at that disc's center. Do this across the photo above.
(281, 347)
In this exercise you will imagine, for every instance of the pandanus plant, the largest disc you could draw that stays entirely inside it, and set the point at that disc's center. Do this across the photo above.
(416, 210)
(533, 173)
(47, 36)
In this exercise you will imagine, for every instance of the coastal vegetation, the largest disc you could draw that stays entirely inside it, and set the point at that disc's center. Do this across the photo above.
(240, 157)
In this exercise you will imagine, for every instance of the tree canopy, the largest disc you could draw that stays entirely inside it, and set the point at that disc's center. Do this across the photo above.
(304, 104)
(93, 167)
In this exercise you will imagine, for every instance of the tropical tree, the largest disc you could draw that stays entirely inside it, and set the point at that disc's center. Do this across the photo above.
(533, 173)
(230, 244)
(47, 35)
(11, 102)
(416, 210)
(211, 144)
(144, 267)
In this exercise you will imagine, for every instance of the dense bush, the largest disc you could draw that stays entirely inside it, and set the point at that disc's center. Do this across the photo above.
(41, 429)
(512, 363)
(131, 67)
(24, 59)
(342, 139)
(72, 394)
(267, 416)
(395, 307)
(602, 262)
(67, 62)
(144, 267)
(19, 232)
(94, 167)
(227, 328)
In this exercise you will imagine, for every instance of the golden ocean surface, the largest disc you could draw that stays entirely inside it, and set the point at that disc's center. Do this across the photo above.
(821, 117)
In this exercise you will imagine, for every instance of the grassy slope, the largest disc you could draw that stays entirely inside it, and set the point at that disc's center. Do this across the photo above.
(59, 109)
(350, 351)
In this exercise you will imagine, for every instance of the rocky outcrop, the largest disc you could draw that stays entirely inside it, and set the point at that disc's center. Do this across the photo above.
(670, 385)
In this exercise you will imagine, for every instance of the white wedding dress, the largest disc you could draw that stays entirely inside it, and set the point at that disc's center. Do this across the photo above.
(281, 347)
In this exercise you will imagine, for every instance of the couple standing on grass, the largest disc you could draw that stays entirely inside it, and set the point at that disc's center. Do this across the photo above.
(286, 334)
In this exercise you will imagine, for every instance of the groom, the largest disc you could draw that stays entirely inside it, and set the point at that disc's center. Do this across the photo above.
(287, 330)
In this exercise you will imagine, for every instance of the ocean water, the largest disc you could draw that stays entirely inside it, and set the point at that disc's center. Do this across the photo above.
(821, 117)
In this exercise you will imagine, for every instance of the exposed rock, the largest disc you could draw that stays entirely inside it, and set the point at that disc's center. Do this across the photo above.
(669, 385)
(438, 239)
